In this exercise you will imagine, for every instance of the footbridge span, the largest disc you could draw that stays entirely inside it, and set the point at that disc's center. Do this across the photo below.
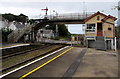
(70, 18)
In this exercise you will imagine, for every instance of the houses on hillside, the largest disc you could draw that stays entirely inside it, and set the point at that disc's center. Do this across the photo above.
(4, 23)
(11, 25)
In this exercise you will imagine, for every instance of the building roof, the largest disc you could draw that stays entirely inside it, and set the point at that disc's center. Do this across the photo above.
(46, 31)
(19, 25)
(109, 16)
(106, 17)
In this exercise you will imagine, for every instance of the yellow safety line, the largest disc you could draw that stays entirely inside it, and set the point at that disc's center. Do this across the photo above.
(45, 63)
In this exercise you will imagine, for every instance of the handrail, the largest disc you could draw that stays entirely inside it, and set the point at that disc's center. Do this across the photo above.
(70, 16)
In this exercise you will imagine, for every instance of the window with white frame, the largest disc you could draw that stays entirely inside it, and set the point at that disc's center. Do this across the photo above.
(90, 28)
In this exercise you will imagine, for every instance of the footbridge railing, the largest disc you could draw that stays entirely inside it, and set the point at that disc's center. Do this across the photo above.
(70, 16)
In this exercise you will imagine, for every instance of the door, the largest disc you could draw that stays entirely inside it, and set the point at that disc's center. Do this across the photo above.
(91, 44)
(108, 44)
(99, 29)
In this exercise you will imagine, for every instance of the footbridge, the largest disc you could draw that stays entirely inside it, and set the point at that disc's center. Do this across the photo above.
(70, 18)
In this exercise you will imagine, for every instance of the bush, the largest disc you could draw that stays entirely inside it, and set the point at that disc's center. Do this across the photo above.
(5, 32)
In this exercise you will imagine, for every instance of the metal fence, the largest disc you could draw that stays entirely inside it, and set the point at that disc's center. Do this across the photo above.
(70, 16)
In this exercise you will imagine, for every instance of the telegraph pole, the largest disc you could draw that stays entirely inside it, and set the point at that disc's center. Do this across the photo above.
(84, 10)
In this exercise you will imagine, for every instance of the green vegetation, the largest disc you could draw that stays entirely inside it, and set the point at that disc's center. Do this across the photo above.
(11, 17)
(5, 32)
(117, 32)
(63, 32)
(18, 18)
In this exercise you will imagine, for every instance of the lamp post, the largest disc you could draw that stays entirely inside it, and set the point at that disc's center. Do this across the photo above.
(55, 17)
(41, 31)
(105, 39)
(56, 30)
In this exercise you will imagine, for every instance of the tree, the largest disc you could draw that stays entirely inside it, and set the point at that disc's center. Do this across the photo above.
(19, 18)
(22, 18)
(5, 32)
(62, 29)
(10, 17)
(118, 7)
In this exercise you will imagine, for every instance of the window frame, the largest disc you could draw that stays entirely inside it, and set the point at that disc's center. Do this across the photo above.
(90, 27)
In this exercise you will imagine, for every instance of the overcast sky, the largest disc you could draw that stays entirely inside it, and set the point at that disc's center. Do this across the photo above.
(32, 8)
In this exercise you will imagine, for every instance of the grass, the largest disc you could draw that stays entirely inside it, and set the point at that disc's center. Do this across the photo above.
(26, 56)
(78, 45)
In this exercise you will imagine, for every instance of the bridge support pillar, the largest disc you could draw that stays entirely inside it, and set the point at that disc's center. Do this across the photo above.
(32, 35)
(29, 35)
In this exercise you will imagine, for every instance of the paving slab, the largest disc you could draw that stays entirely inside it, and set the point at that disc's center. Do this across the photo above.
(97, 63)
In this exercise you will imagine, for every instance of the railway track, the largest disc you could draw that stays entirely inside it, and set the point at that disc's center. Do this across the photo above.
(29, 49)
(29, 60)
(12, 50)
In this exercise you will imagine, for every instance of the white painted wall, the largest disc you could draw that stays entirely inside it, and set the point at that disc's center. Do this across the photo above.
(12, 26)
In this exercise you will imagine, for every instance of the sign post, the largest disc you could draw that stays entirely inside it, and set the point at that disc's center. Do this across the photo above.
(45, 12)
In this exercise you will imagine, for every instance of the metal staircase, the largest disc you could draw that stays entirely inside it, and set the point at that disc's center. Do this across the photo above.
(18, 33)
(100, 43)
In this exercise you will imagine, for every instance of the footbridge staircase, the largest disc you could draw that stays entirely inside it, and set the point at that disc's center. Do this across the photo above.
(18, 33)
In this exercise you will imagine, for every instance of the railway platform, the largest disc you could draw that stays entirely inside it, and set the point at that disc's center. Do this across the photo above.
(69, 62)
(12, 45)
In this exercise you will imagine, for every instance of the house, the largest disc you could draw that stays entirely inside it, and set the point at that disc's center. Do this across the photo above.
(3, 22)
(100, 31)
(43, 33)
(19, 25)
(12, 25)
(78, 38)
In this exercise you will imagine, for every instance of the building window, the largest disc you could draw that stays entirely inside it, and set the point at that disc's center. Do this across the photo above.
(109, 28)
(98, 17)
(90, 28)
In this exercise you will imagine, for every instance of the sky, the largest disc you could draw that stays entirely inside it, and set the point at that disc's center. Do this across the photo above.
(32, 8)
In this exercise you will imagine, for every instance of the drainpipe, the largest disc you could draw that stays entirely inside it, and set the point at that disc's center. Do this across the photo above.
(112, 44)
(95, 41)
(105, 40)
(115, 44)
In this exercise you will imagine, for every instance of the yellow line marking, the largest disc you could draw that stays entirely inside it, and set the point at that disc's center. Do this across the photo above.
(45, 63)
